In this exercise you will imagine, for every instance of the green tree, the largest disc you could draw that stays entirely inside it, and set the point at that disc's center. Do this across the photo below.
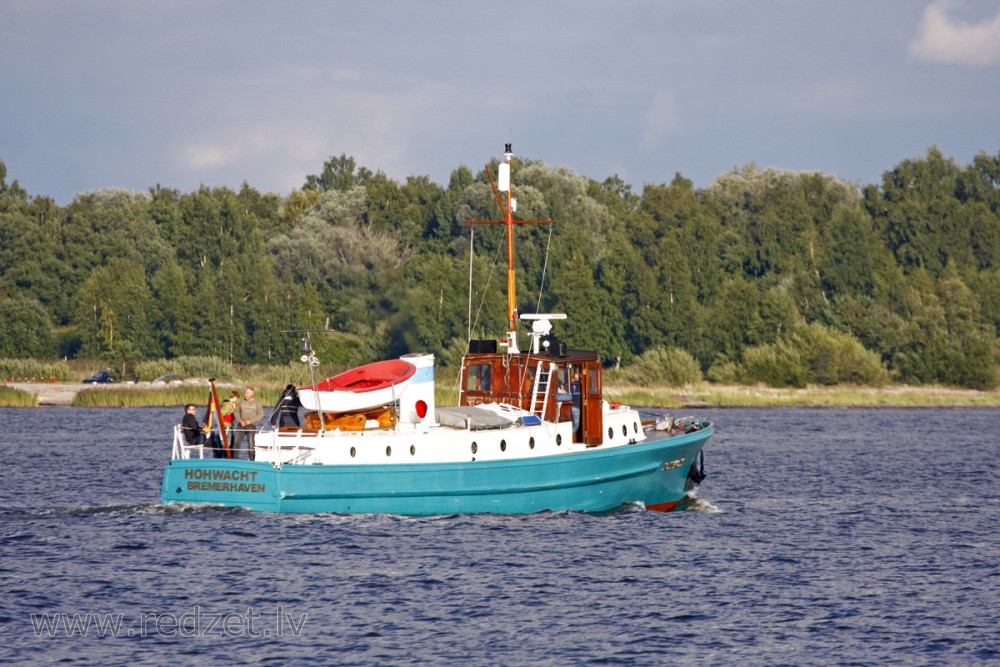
(854, 254)
(357, 267)
(173, 312)
(26, 330)
(590, 310)
(923, 221)
(339, 173)
(432, 311)
(112, 314)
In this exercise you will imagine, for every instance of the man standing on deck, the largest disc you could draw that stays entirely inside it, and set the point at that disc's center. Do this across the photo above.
(248, 413)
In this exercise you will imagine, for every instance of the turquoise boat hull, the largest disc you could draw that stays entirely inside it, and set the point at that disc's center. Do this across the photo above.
(654, 472)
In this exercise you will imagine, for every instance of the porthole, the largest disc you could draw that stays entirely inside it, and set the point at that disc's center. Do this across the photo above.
(354, 452)
(531, 442)
(475, 448)
(413, 450)
(558, 439)
(611, 433)
(503, 445)
(624, 431)
(635, 427)
(388, 451)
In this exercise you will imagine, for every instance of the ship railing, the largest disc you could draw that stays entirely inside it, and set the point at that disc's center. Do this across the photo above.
(269, 440)
(182, 450)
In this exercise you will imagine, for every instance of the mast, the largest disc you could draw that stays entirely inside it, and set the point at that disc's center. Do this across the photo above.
(504, 178)
(503, 184)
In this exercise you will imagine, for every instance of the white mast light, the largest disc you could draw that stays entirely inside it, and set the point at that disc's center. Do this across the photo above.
(503, 177)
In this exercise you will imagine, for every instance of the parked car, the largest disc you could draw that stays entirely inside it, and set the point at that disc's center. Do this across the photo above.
(101, 377)
(171, 377)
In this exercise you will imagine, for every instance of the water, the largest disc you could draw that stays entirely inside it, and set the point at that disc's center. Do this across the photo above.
(820, 537)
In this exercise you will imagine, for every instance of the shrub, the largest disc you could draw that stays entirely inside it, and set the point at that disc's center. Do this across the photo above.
(725, 371)
(31, 370)
(296, 373)
(973, 363)
(664, 365)
(812, 354)
(150, 370)
(834, 357)
(776, 365)
(205, 367)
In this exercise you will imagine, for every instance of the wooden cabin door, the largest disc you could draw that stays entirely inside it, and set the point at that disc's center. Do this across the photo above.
(592, 414)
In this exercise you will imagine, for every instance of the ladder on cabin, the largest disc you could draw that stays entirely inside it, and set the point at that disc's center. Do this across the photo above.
(543, 385)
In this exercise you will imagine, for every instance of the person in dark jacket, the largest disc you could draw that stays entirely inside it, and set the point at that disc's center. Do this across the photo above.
(194, 434)
(289, 407)
(576, 389)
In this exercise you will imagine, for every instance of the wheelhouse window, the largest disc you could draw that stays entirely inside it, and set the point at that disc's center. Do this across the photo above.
(563, 383)
(478, 378)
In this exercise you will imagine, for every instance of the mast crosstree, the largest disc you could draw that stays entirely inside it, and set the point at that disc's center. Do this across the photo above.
(503, 184)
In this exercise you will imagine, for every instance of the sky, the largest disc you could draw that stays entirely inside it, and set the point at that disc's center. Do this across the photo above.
(135, 93)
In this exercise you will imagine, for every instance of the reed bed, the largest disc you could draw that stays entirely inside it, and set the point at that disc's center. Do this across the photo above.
(140, 397)
(270, 381)
(130, 396)
(17, 398)
(760, 396)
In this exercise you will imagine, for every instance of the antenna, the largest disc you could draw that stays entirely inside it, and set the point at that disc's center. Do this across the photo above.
(541, 326)
(309, 358)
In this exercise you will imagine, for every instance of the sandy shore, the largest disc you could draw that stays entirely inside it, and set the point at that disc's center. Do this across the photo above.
(51, 393)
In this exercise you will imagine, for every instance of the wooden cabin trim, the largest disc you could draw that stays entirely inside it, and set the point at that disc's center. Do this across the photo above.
(501, 378)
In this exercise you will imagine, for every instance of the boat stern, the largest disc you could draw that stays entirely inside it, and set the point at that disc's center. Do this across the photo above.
(230, 482)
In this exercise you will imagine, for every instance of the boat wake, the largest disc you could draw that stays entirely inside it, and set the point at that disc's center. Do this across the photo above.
(113, 510)
(692, 503)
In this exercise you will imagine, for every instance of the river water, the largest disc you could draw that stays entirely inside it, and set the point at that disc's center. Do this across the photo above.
(820, 537)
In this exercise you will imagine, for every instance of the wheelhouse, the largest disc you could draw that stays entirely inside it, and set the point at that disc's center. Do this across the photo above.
(542, 384)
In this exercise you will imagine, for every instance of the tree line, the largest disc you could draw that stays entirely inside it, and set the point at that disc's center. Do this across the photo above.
(757, 270)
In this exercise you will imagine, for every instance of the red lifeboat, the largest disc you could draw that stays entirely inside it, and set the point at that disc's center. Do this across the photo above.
(360, 388)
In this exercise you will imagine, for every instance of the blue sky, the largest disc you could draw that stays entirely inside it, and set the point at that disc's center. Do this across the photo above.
(183, 93)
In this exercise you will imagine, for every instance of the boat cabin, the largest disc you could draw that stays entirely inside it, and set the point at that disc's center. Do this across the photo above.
(547, 384)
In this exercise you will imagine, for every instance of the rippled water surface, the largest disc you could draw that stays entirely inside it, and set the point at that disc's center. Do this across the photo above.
(819, 537)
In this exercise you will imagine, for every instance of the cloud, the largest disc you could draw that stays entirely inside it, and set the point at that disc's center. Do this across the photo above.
(663, 117)
(943, 39)
(209, 156)
(273, 128)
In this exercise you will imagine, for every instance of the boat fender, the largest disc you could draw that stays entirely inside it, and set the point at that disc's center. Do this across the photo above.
(696, 473)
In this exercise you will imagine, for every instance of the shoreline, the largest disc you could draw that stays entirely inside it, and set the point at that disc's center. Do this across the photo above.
(693, 397)
(704, 396)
